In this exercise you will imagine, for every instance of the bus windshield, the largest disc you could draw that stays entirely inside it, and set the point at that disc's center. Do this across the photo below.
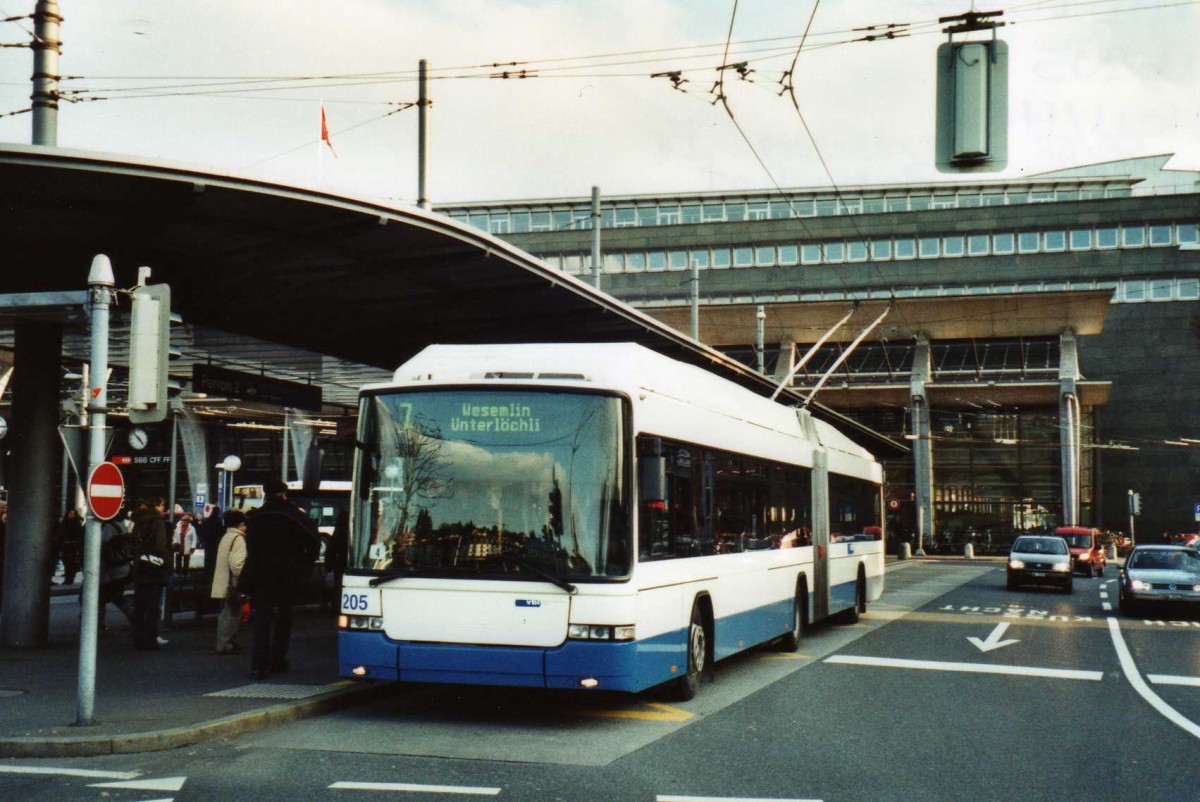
(494, 483)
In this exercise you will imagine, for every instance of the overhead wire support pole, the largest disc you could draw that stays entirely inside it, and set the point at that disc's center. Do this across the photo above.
(423, 104)
(596, 237)
(845, 354)
(813, 350)
(46, 50)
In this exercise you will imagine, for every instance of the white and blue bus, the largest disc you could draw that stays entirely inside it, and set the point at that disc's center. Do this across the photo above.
(593, 516)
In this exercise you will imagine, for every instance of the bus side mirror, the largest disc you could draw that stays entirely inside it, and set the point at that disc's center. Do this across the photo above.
(652, 470)
(313, 461)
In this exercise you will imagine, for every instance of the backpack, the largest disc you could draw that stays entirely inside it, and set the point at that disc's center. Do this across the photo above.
(118, 550)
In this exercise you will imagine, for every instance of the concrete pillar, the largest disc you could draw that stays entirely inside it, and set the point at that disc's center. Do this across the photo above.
(922, 373)
(32, 504)
(1069, 427)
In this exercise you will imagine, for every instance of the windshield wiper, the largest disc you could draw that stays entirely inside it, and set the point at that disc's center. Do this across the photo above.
(388, 576)
(533, 569)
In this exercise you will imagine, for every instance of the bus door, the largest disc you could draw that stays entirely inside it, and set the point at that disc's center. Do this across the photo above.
(820, 526)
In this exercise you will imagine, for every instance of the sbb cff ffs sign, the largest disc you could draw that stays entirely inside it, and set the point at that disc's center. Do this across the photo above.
(105, 491)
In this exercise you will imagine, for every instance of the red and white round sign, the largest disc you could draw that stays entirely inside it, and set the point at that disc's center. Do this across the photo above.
(105, 491)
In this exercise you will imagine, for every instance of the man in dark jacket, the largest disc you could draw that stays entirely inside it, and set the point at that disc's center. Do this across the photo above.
(151, 567)
(281, 545)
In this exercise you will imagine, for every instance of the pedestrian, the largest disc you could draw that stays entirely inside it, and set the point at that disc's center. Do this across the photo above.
(151, 567)
(183, 543)
(116, 565)
(230, 556)
(69, 540)
(281, 545)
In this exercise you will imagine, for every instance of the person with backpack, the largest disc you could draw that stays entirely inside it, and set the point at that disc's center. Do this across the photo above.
(116, 565)
(230, 556)
(151, 568)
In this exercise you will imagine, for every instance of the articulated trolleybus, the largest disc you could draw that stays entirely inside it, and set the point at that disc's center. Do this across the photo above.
(593, 516)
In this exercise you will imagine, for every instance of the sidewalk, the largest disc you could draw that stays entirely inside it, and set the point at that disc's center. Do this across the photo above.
(184, 693)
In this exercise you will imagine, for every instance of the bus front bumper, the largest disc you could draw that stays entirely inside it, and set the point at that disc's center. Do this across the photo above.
(578, 665)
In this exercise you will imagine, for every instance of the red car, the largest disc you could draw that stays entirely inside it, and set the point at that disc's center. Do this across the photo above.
(1087, 555)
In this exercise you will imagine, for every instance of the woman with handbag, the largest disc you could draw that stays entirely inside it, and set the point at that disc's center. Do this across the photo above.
(151, 567)
(231, 558)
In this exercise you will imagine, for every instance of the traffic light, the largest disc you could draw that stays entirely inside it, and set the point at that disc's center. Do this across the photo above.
(149, 353)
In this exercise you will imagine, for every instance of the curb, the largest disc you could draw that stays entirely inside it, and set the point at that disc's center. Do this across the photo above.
(158, 740)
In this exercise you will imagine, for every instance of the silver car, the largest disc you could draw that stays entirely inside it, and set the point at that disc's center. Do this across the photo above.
(1160, 575)
(1040, 560)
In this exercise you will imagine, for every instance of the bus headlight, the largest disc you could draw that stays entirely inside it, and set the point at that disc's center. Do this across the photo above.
(601, 632)
(360, 622)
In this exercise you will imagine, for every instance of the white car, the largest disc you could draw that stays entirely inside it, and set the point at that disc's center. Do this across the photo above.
(1040, 560)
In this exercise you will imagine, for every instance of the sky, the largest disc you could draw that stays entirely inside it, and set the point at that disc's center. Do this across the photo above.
(201, 83)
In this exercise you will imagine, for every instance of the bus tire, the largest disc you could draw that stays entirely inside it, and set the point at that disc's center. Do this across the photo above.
(852, 614)
(688, 685)
(791, 641)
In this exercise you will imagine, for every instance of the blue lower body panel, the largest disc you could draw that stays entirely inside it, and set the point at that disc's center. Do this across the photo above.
(617, 666)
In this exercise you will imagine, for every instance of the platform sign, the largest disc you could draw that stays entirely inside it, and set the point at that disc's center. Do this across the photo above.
(1198, 510)
(105, 491)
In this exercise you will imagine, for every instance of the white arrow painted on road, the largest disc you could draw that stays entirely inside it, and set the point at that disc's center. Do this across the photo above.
(993, 640)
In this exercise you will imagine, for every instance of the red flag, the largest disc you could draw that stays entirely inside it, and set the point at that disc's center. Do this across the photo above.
(325, 132)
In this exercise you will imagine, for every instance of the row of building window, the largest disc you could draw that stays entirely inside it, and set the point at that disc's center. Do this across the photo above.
(1129, 291)
(663, 212)
(883, 250)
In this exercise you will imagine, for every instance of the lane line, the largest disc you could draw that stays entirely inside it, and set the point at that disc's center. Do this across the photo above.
(1107, 607)
(426, 789)
(1167, 679)
(968, 668)
(1139, 685)
(100, 775)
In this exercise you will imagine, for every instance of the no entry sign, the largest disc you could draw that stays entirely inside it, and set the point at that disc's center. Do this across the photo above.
(105, 491)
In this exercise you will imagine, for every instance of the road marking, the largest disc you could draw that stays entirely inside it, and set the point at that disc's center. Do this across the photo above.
(426, 789)
(662, 798)
(969, 668)
(148, 784)
(993, 640)
(1104, 594)
(1139, 685)
(792, 656)
(105, 775)
(664, 713)
(1107, 607)
(1167, 679)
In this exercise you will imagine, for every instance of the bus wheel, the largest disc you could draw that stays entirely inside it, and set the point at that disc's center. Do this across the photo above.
(791, 641)
(851, 615)
(697, 658)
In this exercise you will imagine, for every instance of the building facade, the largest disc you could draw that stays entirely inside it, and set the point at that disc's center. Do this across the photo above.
(1036, 342)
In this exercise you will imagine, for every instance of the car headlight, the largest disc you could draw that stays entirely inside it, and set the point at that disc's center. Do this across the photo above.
(1017, 564)
(1138, 584)
(1086, 555)
(1061, 567)
(1196, 588)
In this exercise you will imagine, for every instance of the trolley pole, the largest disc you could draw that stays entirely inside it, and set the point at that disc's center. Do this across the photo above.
(100, 288)
(760, 345)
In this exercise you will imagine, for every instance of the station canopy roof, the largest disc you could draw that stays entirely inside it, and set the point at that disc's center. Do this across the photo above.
(300, 284)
